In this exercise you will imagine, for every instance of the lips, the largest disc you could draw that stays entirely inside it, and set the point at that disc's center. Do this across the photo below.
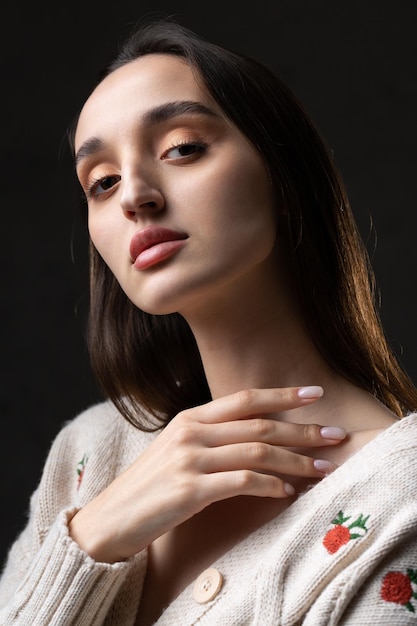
(154, 244)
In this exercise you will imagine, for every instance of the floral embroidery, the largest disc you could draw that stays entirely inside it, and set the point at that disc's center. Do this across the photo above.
(338, 536)
(80, 469)
(396, 587)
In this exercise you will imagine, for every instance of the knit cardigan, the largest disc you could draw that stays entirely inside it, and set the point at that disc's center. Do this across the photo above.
(344, 553)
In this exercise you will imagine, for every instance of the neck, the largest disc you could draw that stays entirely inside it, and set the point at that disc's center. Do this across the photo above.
(257, 340)
(251, 334)
(241, 353)
(245, 351)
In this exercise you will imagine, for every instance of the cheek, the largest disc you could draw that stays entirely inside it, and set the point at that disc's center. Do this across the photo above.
(103, 234)
(244, 196)
(237, 218)
(95, 231)
(251, 213)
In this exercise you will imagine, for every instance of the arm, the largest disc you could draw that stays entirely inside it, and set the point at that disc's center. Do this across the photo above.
(60, 584)
(228, 447)
(47, 575)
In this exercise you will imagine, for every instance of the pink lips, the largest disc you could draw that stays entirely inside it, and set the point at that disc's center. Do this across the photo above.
(154, 244)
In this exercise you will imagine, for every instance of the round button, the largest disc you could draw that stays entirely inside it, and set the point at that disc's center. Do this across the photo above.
(207, 585)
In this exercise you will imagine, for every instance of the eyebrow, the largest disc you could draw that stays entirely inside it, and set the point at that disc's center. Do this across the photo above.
(89, 147)
(154, 116)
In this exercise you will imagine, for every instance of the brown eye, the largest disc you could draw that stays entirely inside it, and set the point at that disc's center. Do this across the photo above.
(101, 185)
(184, 150)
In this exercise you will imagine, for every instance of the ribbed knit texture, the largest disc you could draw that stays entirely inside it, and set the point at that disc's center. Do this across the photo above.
(344, 553)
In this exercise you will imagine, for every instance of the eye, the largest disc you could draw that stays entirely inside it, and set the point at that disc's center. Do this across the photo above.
(101, 185)
(184, 150)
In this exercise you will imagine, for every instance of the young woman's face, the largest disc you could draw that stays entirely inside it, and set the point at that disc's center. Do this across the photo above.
(180, 204)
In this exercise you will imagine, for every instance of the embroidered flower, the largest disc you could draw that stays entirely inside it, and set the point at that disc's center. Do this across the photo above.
(396, 587)
(80, 469)
(340, 535)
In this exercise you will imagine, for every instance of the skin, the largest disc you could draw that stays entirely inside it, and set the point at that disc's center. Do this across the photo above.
(174, 191)
(197, 174)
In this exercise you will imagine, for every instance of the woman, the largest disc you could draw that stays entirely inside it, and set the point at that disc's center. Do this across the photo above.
(262, 473)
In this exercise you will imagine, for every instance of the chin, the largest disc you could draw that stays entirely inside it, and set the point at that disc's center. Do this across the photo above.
(155, 305)
(163, 295)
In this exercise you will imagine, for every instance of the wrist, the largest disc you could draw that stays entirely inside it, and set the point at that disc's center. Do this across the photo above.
(90, 539)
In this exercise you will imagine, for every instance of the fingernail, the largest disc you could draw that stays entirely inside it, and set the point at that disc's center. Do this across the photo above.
(332, 432)
(305, 393)
(324, 466)
(289, 489)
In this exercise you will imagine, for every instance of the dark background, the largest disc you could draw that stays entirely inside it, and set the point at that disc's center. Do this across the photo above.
(354, 64)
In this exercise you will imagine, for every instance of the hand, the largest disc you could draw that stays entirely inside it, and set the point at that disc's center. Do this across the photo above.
(231, 446)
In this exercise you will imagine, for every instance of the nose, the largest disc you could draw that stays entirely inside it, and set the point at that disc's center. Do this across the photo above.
(140, 194)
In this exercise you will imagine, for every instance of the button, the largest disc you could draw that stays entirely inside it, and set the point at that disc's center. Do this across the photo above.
(207, 585)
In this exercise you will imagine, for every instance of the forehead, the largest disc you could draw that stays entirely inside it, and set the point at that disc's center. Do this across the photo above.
(138, 86)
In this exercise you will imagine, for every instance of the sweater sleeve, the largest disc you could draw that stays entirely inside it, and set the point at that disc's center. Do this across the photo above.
(47, 578)
(61, 584)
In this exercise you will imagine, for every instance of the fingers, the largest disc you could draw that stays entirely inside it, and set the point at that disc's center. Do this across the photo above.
(245, 483)
(249, 402)
(264, 458)
(238, 433)
(271, 431)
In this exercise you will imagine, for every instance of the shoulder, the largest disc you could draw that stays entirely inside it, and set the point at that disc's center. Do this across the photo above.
(101, 430)
(389, 460)
(90, 451)
(84, 433)
(100, 416)
(101, 421)
(399, 439)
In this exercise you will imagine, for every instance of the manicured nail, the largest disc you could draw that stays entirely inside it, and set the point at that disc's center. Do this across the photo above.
(324, 466)
(332, 432)
(289, 489)
(306, 393)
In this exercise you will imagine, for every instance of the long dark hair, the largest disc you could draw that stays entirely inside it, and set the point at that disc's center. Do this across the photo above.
(152, 362)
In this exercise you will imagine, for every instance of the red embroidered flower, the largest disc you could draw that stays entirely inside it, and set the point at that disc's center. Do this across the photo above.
(338, 536)
(396, 587)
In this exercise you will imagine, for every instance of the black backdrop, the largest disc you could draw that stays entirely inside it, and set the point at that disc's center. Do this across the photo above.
(354, 64)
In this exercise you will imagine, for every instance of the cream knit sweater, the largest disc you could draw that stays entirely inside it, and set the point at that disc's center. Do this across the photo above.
(344, 553)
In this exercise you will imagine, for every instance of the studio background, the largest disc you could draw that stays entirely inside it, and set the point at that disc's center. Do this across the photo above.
(353, 64)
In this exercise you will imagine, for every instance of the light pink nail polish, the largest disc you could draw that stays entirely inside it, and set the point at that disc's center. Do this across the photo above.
(324, 466)
(289, 489)
(332, 432)
(307, 393)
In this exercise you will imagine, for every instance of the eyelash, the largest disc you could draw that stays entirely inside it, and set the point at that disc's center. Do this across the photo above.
(201, 145)
(92, 186)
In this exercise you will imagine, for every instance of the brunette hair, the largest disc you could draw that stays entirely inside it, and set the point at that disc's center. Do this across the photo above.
(143, 360)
